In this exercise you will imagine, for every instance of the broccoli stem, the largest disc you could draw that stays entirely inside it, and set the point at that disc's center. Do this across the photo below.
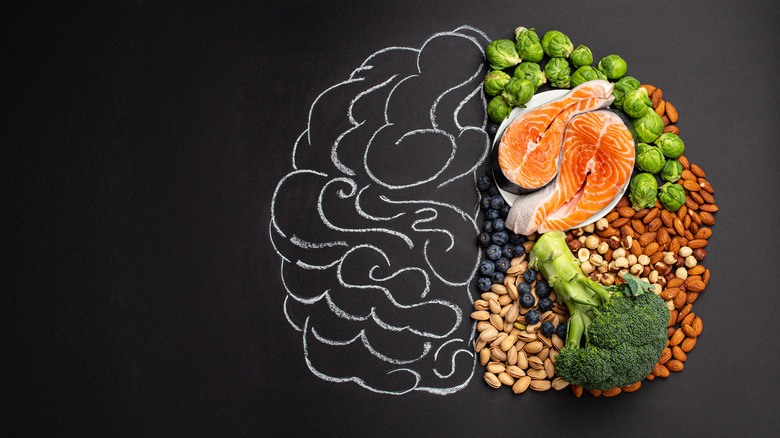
(581, 295)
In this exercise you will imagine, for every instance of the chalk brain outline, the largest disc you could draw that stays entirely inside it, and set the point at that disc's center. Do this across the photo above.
(369, 223)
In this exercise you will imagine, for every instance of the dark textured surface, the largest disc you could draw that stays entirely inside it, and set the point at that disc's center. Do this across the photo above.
(143, 145)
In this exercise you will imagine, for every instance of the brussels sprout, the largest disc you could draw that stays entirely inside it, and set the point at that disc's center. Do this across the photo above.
(518, 92)
(556, 45)
(531, 71)
(495, 82)
(672, 196)
(584, 74)
(557, 72)
(648, 127)
(581, 56)
(502, 54)
(498, 109)
(670, 144)
(630, 81)
(613, 66)
(643, 190)
(528, 46)
(650, 159)
(636, 103)
(672, 171)
(623, 86)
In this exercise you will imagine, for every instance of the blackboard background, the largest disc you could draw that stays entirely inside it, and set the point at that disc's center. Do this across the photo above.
(142, 145)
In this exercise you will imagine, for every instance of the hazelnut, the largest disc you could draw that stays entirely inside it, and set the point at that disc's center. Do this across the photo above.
(699, 253)
(575, 245)
(613, 242)
(626, 241)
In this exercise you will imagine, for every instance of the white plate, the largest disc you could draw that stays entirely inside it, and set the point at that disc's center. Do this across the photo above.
(535, 102)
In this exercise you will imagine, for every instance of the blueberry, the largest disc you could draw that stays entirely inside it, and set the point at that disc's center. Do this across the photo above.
(524, 288)
(543, 289)
(498, 277)
(484, 183)
(505, 211)
(484, 284)
(492, 214)
(533, 316)
(493, 252)
(561, 330)
(499, 225)
(492, 129)
(493, 191)
(516, 239)
(484, 202)
(497, 202)
(500, 237)
(488, 226)
(519, 249)
(547, 328)
(487, 268)
(527, 300)
(529, 275)
(484, 239)
(502, 264)
(545, 304)
(508, 251)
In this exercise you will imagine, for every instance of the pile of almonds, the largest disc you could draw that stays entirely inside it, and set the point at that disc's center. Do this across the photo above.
(662, 247)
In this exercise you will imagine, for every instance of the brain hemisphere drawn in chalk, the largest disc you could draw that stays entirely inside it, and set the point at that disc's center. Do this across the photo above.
(375, 225)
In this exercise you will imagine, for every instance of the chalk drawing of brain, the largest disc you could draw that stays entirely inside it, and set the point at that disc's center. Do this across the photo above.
(373, 222)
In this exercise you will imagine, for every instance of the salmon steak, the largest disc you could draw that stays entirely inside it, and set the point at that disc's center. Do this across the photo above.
(597, 158)
(528, 154)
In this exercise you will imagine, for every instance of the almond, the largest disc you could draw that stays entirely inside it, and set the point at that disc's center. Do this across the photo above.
(661, 108)
(695, 286)
(706, 186)
(627, 212)
(684, 161)
(707, 218)
(611, 392)
(692, 296)
(678, 354)
(656, 97)
(712, 208)
(677, 337)
(687, 344)
(674, 365)
(665, 356)
(691, 186)
(671, 128)
(649, 88)
(671, 112)
(697, 243)
(687, 175)
(696, 325)
(680, 300)
(688, 330)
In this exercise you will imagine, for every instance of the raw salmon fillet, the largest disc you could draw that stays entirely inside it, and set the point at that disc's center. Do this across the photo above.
(529, 150)
(597, 161)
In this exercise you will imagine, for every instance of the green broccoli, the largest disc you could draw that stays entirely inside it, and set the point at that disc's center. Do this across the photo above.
(624, 326)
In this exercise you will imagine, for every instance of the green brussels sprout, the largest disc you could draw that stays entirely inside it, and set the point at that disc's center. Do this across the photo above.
(531, 71)
(498, 109)
(502, 54)
(581, 56)
(672, 196)
(613, 66)
(672, 171)
(584, 74)
(630, 81)
(643, 190)
(622, 87)
(558, 72)
(518, 92)
(670, 144)
(556, 45)
(636, 103)
(648, 127)
(650, 159)
(528, 46)
(495, 82)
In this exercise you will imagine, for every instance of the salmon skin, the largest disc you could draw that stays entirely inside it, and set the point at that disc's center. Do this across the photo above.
(527, 157)
(597, 160)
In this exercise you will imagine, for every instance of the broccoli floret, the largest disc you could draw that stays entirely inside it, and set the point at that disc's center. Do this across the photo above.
(614, 335)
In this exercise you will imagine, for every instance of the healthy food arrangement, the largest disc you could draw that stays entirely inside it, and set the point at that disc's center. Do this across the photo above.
(595, 224)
